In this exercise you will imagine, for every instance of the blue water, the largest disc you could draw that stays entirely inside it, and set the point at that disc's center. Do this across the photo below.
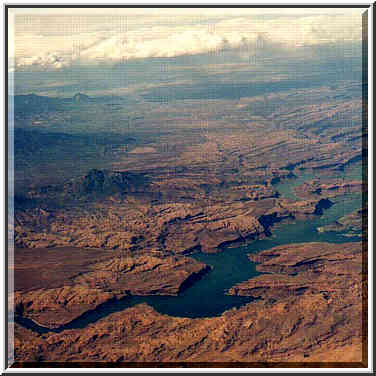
(207, 297)
(286, 187)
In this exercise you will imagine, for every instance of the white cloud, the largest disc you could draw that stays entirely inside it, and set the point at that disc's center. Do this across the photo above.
(200, 11)
(99, 42)
(50, 60)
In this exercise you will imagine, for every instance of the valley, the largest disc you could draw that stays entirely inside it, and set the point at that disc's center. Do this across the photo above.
(189, 231)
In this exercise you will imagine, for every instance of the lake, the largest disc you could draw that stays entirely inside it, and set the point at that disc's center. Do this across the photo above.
(207, 297)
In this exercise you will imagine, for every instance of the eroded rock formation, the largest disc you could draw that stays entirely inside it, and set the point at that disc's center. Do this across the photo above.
(313, 316)
(55, 286)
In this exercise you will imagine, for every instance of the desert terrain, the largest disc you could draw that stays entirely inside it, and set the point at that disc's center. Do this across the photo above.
(128, 210)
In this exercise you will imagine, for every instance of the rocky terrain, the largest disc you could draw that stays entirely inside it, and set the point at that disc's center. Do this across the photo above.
(121, 210)
(356, 221)
(310, 311)
(55, 286)
(183, 177)
(100, 218)
(316, 268)
(134, 224)
(331, 188)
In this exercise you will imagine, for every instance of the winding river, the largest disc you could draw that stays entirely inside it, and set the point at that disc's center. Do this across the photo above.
(207, 297)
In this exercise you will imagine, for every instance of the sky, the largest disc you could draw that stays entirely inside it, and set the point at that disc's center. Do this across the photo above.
(56, 44)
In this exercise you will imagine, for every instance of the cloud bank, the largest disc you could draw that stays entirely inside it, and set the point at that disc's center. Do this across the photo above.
(97, 41)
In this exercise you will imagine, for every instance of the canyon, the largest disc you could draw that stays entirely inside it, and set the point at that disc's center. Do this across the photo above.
(129, 216)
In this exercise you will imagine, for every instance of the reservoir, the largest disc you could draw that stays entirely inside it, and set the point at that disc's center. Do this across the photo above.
(207, 297)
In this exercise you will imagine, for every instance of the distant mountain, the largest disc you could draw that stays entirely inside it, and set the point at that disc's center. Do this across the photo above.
(32, 103)
(104, 182)
(35, 139)
(81, 98)
(95, 185)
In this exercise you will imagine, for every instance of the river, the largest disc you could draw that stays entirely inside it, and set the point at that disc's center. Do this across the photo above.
(207, 297)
